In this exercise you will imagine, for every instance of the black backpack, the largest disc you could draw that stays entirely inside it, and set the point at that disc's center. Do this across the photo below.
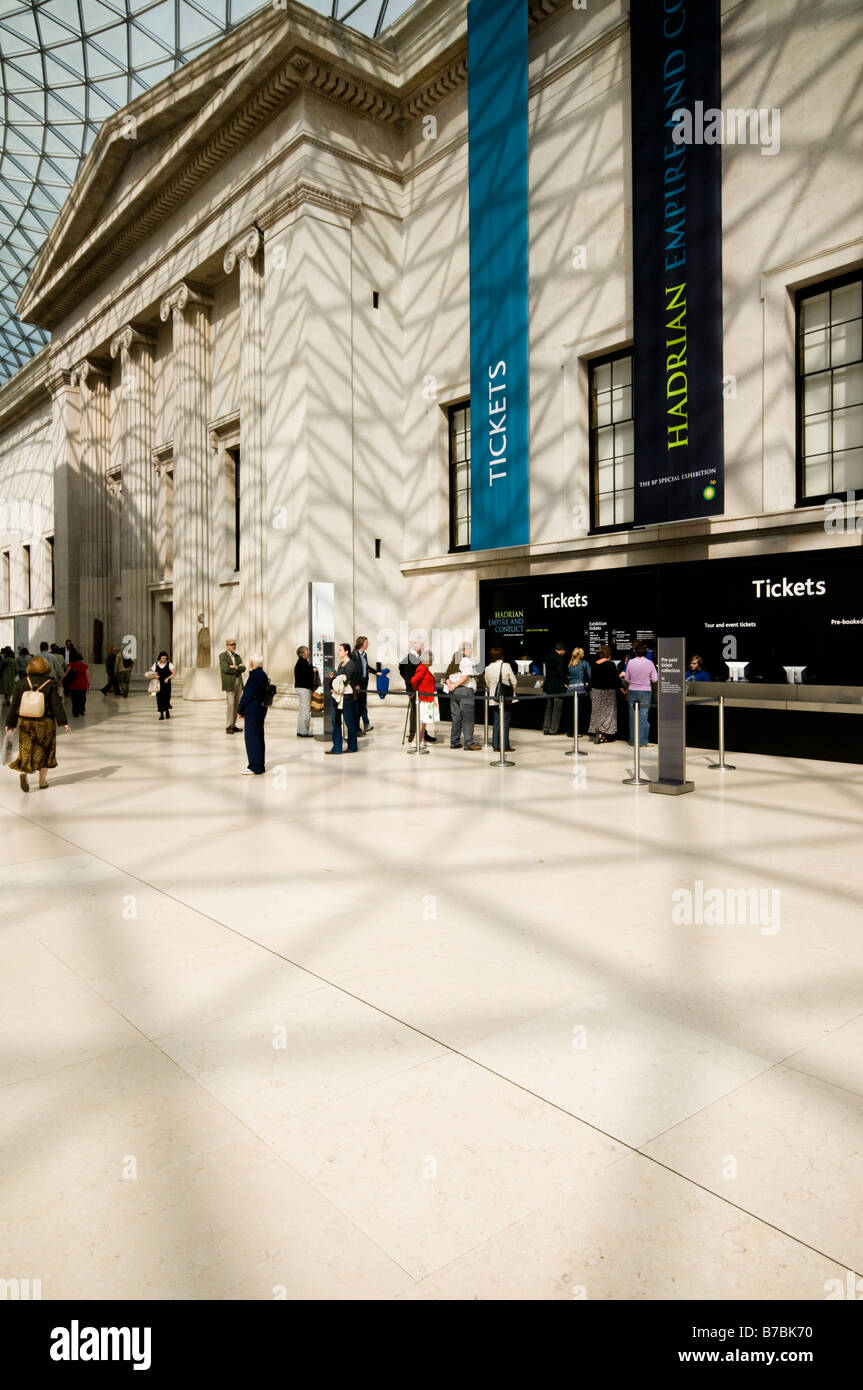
(270, 695)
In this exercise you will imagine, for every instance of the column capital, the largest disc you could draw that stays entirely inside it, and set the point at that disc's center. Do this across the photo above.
(178, 298)
(245, 248)
(130, 337)
(89, 367)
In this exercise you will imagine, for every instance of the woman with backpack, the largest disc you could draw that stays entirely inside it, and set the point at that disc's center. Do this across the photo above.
(36, 710)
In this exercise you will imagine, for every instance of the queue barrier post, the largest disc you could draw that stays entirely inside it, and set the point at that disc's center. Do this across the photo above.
(575, 751)
(722, 765)
(502, 761)
(420, 746)
(636, 780)
(485, 718)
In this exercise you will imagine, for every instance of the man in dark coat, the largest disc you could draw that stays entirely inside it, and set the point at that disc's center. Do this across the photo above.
(554, 685)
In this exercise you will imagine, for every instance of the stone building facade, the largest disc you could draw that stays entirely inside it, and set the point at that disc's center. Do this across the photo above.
(258, 296)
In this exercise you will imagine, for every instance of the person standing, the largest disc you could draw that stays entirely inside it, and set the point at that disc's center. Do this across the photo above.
(164, 673)
(36, 710)
(500, 680)
(231, 668)
(344, 704)
(604, 687)
(68, 649)
(579, 675)
(8, 673)
(360, 656)
(305, 681)
(554, 685)
(22, 660)
(123, 670)
(111, 686)
(462, 683)
(252, 709)
(54, 661)
(407, 670)
(640, 677)
(77, 682)
(423, 682)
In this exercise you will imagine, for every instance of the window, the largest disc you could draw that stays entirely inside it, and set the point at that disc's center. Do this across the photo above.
(459, 476)
(27, 577)
(612, 476)
(829, 390)
(6, 582)
(234, 493)
(49, 542)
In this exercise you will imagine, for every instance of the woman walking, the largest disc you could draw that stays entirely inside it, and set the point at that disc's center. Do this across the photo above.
(252, 709)
(163, 671)
(77, 682)
(604, 685)
(36, 710)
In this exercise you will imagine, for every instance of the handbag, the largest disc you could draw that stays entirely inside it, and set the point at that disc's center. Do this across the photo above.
(317, 702)
(32, 704)
(8, 748)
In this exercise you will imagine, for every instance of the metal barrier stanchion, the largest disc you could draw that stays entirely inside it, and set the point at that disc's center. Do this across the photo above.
(722, 764)
(636, 780)
(575, 751)
(485, 718)
(419, 746)
(502, 761)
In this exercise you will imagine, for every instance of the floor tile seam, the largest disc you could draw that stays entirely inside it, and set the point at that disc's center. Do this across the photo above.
(740, 1086)
(66, 1066)
(737, 1206)
(207, 1153)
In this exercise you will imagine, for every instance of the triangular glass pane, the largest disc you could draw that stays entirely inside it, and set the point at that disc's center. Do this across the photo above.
(146, 50)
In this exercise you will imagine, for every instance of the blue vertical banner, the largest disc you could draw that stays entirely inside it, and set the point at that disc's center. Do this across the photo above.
(498, 195)
(677, 262)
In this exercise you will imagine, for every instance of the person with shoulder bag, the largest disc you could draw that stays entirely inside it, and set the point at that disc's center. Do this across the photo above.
(502, 684)
(36, 710)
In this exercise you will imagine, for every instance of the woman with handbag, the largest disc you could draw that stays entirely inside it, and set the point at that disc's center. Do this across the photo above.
(163, 671)
(36, 710)
(423, 681)
(502, 684)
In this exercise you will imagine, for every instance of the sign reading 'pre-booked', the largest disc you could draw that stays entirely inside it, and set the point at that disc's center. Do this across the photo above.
(677, 270)
(498, 189)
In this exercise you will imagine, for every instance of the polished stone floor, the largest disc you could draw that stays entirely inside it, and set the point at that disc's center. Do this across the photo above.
(393, 1027)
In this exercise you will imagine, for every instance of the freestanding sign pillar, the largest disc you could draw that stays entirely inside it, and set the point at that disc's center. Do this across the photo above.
(672, 718)
(322, 637)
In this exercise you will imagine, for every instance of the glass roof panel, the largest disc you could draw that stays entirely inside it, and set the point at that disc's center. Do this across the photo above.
(64, 66)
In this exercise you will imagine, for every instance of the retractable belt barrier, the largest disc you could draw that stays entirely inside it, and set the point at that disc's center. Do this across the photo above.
(417, 700)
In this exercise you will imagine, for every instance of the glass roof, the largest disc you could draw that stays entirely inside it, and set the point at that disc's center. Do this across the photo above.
(64, 66)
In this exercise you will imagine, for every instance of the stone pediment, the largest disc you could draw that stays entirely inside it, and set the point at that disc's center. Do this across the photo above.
(150, 156)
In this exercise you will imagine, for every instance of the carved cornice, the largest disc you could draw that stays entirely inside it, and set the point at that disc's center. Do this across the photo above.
(60, 380)
(246, 248)
(303, 191)
(177, 299)
(130, 337)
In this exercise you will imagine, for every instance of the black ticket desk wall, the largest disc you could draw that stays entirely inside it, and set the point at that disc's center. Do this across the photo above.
(801, 609)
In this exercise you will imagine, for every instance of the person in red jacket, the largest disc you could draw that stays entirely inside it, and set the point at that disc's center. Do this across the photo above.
(77, 682)
(423, 681)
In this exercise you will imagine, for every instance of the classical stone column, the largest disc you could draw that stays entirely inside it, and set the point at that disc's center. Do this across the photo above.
(135, 348)
(94, 380)
(66, 470)
(188, 308)
(245, 254)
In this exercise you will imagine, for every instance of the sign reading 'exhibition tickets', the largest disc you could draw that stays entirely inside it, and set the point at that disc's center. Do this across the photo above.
(498, 194)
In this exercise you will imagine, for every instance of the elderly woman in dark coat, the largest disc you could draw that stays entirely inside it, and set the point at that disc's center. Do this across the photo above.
(252, 709)
(37, 736)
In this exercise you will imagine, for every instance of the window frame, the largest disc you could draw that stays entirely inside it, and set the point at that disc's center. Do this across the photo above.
(603, 360)
(803, 499)
(451, 412)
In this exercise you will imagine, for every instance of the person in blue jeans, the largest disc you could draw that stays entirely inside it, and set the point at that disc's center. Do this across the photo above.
(343, 692)
(640, 677)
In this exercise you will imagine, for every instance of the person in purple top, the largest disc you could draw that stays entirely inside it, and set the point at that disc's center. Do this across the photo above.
(639, 677)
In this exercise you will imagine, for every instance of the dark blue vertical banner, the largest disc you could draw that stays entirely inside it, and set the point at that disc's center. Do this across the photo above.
(499, 397)
(677, 263)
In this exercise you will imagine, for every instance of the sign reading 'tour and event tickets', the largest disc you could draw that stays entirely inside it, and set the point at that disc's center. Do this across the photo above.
(498, 194)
